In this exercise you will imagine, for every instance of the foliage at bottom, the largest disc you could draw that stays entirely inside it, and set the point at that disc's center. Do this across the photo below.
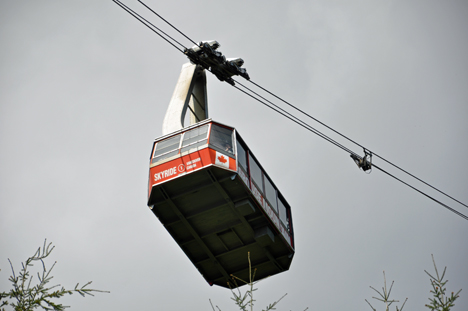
(26, 296)
(439, 302)
(246, 300)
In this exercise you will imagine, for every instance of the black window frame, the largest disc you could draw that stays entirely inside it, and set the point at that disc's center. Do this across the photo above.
(220, 145)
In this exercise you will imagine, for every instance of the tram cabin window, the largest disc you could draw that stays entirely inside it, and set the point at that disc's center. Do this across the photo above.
(221, 138)
(283, 213)
(256, 173)
(194, 138)
(166, 148)
(270, 193)
(241, 156)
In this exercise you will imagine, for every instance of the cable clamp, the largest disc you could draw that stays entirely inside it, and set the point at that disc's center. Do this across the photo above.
(364, 163)
(206, 55)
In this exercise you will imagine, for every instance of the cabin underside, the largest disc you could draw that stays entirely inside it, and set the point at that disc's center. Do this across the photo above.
(216, 221)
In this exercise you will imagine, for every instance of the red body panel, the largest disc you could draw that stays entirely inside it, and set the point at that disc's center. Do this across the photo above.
(189, 163)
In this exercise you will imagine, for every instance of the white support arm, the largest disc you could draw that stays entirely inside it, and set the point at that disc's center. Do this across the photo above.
(190, 92)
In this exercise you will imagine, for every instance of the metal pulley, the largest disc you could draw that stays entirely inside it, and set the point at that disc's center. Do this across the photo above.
(206, 55)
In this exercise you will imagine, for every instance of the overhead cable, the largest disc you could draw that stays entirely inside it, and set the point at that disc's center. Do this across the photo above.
(430, 197)
(292, 117)
(288, 115)
(356, 143)
(167, 22)
(308, 127)
(150, 25)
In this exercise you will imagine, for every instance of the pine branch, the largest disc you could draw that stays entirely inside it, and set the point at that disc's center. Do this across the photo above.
(27, 297)
(246, 299)
(385, 296)
(440, 302)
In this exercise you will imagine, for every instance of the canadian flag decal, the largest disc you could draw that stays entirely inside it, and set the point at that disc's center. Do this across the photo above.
(222, 159)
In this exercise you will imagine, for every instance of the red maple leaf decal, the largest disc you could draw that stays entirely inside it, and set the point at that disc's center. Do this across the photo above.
(222, 159)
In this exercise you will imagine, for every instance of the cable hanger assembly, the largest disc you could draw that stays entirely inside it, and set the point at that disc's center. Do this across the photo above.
(365, 162)
(206, 55)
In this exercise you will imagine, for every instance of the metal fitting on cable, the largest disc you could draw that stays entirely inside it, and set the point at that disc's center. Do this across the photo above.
(205, 55)
(364, 163)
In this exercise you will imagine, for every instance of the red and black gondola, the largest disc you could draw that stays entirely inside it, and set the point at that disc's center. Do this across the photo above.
(218, 203)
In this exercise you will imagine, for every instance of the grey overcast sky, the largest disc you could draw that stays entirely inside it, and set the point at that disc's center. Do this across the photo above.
(83, 91)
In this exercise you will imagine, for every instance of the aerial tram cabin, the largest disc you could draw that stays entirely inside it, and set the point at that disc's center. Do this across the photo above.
(212, 194)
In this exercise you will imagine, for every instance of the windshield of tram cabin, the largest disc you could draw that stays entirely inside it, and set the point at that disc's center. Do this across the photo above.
(166, 148)
(193, 139)
(221, 138)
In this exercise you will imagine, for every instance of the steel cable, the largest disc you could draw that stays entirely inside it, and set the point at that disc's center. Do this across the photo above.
(292, 117)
